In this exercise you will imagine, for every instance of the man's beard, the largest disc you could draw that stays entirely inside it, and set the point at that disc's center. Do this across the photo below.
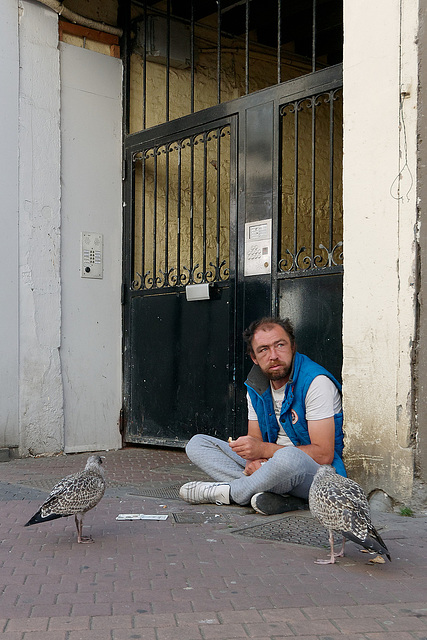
(283, 372)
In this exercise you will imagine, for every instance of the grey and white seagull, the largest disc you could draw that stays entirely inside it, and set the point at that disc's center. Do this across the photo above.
(74, 495)
(341, 505)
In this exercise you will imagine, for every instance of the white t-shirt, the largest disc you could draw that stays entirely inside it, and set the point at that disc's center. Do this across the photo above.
(323, 400)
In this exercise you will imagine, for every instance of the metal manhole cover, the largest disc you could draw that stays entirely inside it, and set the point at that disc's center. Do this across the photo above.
(199, 518)
(44, 484)
(171, 491)
(158, 490)
(186, 469)
(19, 492)
(293, 529)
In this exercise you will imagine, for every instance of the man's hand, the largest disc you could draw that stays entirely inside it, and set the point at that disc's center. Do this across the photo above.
(249, 448)
(252, 446)
(252, 466)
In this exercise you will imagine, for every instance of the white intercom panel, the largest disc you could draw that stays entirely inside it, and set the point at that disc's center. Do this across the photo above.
(258, 247)
(91, 255)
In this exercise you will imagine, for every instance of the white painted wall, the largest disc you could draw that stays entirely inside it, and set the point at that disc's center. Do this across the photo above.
(379, 240)
(9, 82)
(91, 114)
(60, 358)
(40, 382)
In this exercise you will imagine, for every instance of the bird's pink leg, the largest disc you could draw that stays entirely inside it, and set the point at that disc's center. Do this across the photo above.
(341, 554)
(79, 527)
(331, 560)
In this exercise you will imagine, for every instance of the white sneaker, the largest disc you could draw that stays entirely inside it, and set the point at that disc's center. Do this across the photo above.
(203, 492)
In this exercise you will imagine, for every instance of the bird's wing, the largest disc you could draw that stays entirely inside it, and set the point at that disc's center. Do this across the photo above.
(354, 521)
(77, 495)
(354, 499)
(62, 485)
(59, 489)
(340, 505)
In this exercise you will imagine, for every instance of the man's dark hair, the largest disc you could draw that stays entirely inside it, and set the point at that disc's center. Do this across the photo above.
(285, 323)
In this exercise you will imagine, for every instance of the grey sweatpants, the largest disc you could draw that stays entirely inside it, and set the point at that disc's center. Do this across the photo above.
(290, 470)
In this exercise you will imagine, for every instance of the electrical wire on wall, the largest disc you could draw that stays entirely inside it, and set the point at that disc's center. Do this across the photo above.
(404, 169)
(76, 18)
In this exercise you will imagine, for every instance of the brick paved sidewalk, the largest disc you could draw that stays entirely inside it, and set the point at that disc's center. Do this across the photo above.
(201, 574)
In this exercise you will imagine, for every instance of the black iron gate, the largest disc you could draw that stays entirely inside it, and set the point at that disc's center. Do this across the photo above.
(192, 185)
(181, 270)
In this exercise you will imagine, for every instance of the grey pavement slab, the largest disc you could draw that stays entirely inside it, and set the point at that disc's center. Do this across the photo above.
(206, 572)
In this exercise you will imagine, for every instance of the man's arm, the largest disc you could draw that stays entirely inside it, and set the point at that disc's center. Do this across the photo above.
(322, 437)
(321, 449)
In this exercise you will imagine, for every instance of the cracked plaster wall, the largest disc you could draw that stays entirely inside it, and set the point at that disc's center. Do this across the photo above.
(380, 61)
(421, 459)
(40, 383)
(69, 181)
(9, 79)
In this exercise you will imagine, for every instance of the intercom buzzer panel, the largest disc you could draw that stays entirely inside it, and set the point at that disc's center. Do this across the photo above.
(91, 255)
(258, 247)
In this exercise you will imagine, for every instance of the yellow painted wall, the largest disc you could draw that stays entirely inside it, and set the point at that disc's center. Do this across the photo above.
(263, 73)
(101, 10)
(87, 43)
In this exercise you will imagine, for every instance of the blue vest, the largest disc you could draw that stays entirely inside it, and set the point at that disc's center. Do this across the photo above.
(292, 414)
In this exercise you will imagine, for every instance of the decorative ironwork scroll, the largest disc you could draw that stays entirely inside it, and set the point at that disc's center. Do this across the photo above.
(310, 220)
(182, 211)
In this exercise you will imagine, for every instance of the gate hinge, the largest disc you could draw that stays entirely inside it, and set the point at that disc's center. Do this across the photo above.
(123, 294)
(122, 424)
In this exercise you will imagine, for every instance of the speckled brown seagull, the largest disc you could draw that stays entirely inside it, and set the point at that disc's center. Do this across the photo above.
(340, 504)
(74, 495)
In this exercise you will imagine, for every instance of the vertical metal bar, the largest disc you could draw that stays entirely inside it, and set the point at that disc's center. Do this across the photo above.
(218, 201)
(277, 217)
(236, 357)
(155, 218)
(247, 48)
(205, 173)
(280, 207)
(144, 73)
(132, 234)
(167, 215)
(192, 57)
(124, 21)
(313, 37)
(143, 216)
(192, 205)
(313, 179)
(178, 217)
(331, 169)
(168, 54)
(279, 41)
(218, 61)
(296, 185)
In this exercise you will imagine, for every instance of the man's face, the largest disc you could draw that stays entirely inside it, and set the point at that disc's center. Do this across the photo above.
(273, 353)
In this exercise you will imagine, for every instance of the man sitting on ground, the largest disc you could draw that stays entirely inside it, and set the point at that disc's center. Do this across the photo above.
(294, 426)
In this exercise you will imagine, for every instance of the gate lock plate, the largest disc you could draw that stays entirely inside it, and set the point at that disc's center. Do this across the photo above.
(197, 292)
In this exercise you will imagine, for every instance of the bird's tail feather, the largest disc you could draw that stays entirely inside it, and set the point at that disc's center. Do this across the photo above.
(373, 541)
(37, 518)
(374, 534)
